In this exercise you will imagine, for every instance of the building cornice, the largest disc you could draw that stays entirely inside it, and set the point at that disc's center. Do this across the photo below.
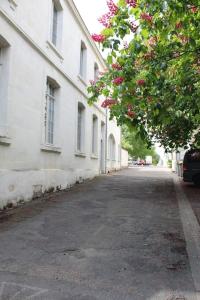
(34, 45)
(84, 28)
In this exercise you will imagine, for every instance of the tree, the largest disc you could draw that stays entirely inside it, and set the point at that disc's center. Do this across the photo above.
(153, 69)
(136, 147)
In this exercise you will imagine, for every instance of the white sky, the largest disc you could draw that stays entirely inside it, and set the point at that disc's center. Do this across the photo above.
(90, 11)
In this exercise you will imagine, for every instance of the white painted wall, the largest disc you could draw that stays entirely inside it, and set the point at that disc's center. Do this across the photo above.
(27, 165)
(124, 158)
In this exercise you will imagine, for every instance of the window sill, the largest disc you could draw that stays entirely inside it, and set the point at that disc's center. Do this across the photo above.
(5, 140)
(82, 80)
(93, 156)
(13, 4)
(55, 50)
(51, 148)
(80, 154)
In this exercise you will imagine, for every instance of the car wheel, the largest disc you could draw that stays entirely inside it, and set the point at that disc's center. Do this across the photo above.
(196, 180)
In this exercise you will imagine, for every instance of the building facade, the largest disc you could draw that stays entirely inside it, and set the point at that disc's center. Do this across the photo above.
(50, 138)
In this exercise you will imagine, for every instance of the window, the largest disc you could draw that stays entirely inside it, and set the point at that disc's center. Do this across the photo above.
(111, 147)
(56, 29)
(55, 25)
(94, 135)
(96, 71)
(50, 114)
(83, 60)
(80, 127)
(4, 77)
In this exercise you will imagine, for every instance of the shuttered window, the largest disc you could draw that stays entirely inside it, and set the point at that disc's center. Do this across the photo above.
(83, 60)
(94, 135)
(80, 128)
(55, 25)
(50, 114)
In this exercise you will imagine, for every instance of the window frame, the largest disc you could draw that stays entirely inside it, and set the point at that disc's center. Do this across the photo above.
(56, 24)
(80, 128)
(96, 71)
(4, 82)
(94, 146)
(50, 114)
(83, 61)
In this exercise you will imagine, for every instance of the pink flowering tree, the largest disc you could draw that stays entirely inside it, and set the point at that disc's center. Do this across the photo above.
(153, 68)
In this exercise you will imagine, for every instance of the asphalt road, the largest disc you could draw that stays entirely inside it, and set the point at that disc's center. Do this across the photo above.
(118, 237)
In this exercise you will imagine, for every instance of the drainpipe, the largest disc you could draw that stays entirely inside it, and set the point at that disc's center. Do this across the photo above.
(106, 141)
(120, 147)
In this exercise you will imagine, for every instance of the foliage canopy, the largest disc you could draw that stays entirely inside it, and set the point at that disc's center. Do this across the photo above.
(153, 69)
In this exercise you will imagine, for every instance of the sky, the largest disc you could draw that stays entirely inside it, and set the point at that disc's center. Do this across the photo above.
(90, 11)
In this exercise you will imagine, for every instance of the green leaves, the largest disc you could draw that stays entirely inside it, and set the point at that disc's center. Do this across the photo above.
(166, 53)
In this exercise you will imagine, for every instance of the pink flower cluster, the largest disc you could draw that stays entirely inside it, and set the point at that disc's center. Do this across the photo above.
(132, 3)
(108, 102)
(117, 66)
(193, 9)
(105, 20)
(153, 41)
(118, 80)
(130, 111)
(134, 26)
(92, 82)
(141, 82)
(113, 8)
(147, 17)
(179, 25)
(100, 38)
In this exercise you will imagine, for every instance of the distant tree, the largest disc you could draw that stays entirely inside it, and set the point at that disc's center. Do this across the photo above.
(135, 146)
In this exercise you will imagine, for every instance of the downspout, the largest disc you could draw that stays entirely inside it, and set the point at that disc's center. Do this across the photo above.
(106, 141)
(120, 148)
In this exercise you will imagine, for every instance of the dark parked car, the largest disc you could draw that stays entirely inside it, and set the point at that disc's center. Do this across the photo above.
(191, 166)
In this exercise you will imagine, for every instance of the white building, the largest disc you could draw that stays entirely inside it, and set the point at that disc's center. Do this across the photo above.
(49, 137)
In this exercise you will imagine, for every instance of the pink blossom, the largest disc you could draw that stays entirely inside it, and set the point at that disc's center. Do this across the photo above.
(152, 41)
(118, 80)
(134, 26)
(105, 20)
(141, 82)
(92, 82)
(108, 102)
(132, 3)
(100, 38)
(193, 9)
(117, 66)
(147, 17)
(112, 7)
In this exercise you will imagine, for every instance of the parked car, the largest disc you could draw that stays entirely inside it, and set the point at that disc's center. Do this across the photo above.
(191, 166)
(142, 162)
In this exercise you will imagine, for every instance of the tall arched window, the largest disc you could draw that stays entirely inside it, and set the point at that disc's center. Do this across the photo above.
(111, 147)
(80, 127)
(4, 79)
(56, 26)
(96, 71)
(83, 60)
(94, 135)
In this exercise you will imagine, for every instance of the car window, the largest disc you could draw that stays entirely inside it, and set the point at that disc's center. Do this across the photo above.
(194, 156)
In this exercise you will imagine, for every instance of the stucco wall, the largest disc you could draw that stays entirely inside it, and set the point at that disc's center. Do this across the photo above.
(28, 166)
(124, 158)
